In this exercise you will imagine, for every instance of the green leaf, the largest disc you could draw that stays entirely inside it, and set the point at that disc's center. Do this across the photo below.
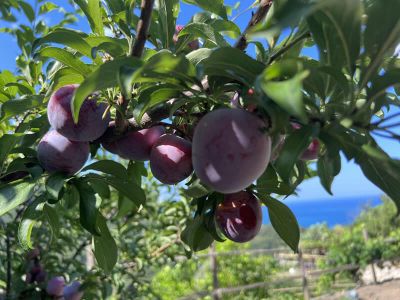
(288, 93)
(152, 96)
(284, 222)
(204, 31)
(328, 168)
(104, 247)
(52, 218)
(7, 143)
(105, 76)
(68, 37)
(381, 170)
(196, 190)
(197, 56)
(167, 19)
(15, 107)
(128, 187)
(47, 7)
(379, 43)
(54, 184)
(214, 6)
(14, 194)
(71, 195)
(28, 10)
(30, 217)
(108, 167)
(87, 207)
(66, 58)
(336, 29)
(294, 146)
(269, 183)
(64, 77)
(233, 64)
(196, 236)
(92, 10)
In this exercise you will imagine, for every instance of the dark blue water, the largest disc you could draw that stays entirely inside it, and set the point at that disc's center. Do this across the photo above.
(333, 211)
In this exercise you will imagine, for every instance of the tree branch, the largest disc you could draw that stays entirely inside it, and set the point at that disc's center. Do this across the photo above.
(259, 15)
(121, 124)
(142, 27)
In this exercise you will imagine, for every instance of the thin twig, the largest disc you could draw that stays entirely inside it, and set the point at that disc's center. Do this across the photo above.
(258, 16)
(286, 48)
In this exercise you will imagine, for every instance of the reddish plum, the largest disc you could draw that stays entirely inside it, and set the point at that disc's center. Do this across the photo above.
(55, 286)
(171, 159)
(239, 216)
(91, 124)
(58, 154)
(230, 151)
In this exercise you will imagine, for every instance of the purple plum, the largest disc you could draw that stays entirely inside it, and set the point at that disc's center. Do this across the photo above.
(230, 150)
(55, 286)
(91, 124)
(72, 292)
(171, 159)
(58, 154)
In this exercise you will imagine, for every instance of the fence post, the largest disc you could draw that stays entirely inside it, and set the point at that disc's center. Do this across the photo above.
(214, 270)
(366, 238)
(306, 291)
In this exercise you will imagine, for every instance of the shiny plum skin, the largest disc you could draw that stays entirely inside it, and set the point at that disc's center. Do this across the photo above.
(58, 154)
(55, 286)
(171, 159)
(91, 124)
(137, 145)
(239, 216)
(71, 292)
(312, 151)
(230, 151)
(193, 45)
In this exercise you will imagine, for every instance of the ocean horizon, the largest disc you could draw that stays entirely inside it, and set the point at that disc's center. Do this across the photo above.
(332, 211)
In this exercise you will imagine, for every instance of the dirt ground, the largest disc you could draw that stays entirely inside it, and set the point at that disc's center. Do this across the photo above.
(385, 291)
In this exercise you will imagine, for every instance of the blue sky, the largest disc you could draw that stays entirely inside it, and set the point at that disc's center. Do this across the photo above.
(350, 182)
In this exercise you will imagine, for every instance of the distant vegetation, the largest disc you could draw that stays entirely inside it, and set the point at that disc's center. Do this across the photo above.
(375, 235)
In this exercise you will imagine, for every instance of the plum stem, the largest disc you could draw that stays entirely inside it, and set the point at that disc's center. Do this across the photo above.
(257, 17)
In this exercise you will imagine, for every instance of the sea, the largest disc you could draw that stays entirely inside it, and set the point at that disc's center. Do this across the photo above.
(333, 211)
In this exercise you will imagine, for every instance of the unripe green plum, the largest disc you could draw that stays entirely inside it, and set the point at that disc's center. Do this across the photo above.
(171, 159)
(58, 154)
(137, 145)
(239, 216)
(91, 124)
(55, 286)
(230, 150)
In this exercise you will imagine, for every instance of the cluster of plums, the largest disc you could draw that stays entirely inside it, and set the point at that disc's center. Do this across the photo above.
(229, 151)
(56, 287)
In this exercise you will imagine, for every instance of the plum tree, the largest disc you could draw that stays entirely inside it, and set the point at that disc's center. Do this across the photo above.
(171, 159)
(72, 291)
(55, 286)
(226, 141)
(239, 216)
(193, 45)
(58, 154)
(136, 145)
(91, 124)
